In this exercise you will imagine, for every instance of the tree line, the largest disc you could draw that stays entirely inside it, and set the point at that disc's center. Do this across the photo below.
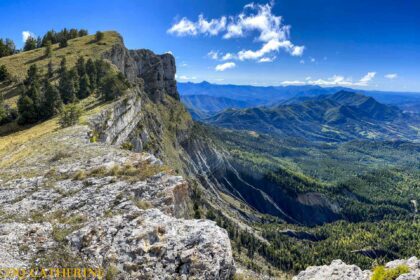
(41, 99)
(53, 37)
(8, 47)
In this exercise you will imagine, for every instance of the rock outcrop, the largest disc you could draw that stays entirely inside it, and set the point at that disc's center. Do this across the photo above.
(77, 198)
(157, 72)
(338, 270)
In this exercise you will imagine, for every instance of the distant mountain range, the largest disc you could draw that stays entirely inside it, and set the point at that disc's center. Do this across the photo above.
(204, 106)
(205, 99)
(335, 117)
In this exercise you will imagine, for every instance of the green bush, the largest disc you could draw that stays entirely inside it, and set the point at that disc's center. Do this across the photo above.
(99, 36)
(4, 74)
(70, 115)
(382, 273)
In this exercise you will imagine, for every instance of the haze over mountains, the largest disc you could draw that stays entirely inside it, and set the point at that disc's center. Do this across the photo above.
(241, 96)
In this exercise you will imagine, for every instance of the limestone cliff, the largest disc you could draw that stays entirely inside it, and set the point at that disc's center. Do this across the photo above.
(75, 197)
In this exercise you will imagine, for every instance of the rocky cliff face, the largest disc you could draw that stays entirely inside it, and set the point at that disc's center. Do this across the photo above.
(77, 198)
(217, 171)
(157, 72)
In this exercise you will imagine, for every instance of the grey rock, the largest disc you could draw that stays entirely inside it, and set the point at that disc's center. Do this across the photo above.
(155, 72)
(156, 246)
(337, 270)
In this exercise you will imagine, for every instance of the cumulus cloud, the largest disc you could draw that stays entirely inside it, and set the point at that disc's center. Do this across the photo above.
(225, 66)
(26, 35)
(335, 80)
(391, 76)
(272, 34)
(186, 27)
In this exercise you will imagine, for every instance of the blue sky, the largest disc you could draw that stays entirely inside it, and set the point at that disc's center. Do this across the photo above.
(360, 43)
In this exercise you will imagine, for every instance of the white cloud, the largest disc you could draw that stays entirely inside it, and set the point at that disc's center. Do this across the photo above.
(213, 55)
(186, 78)
(228, 56)
(391, 76)
(297, 50)
(267, 59)
(186, 27)
(225, 66)
(170, 52)
(335, 80)
(271, 32)
(26, 35)
(293, 83)
(367, 78)
(312, 59)
(212, 27)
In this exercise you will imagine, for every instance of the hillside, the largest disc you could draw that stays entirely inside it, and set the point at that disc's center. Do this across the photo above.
(71, 196)
(342, 116)
(135, 182)
(85, 46)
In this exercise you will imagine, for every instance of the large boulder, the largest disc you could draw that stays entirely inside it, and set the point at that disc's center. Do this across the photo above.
(157, 246)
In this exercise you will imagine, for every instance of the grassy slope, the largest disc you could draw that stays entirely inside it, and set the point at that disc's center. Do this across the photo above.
(85, 46)
(14, 139)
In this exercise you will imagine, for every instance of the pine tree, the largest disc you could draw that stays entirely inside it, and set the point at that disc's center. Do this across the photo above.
(84, 87)
(29, 103)
(74, 76)
(81, 66)
(50, 72)
(83, 32)
(102, 69)
(92, 73)
(48, 49)
(52, 103)
(32, 76)
(4, 74)
(63, 66)
(26, 109)
(67, 88)
(73, 33)
(63, 43)
(99, 36)
(30, 44)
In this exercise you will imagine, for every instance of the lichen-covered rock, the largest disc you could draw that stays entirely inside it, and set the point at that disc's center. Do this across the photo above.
(337, 270)
(105, 206)
(152, 245)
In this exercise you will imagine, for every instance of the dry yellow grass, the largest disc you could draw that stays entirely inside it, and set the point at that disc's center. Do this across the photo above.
(18, 64)
(16, 146)
(85, 46)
